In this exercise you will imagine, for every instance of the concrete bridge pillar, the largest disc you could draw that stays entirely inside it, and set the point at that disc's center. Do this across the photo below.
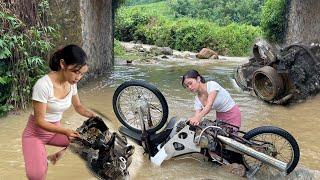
(88, 23)
(303, 21)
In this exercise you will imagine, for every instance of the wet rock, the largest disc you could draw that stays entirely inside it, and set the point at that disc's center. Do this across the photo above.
(141, 50)
(180, 56)
(127, 49)
(138, 46)
(186, 54)
(166, 51)
(206, 53)
(155, 50)
(215, 56)
(161, 50)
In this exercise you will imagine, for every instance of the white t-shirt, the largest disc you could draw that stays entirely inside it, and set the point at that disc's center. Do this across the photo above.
(43, 92)
(223, 101)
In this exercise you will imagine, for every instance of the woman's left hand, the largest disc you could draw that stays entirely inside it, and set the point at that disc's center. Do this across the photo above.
(195, 120)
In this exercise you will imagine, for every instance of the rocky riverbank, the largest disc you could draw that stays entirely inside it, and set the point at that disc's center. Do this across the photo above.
(136, 53)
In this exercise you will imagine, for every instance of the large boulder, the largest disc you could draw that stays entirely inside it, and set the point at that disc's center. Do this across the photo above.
(207, 53)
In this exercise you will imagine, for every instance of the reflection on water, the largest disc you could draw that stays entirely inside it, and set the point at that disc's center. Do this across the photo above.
(301, 120)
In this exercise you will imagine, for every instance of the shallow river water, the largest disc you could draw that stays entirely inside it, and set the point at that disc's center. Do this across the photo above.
(301, 120)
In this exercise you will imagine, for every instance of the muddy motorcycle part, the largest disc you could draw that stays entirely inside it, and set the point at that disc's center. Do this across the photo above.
(107, 155)
(127, 98)
(279, 143)
(306, 49)
(240, 79)
(267, 83)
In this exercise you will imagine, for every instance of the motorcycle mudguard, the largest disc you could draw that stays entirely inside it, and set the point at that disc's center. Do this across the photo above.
(181, 143)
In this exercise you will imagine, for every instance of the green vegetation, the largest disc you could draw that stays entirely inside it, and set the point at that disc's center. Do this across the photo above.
(118, 50)
(273, 20)
(22, 52)
(138, 2)
(152, 24)
(227, 26)
(222, 12)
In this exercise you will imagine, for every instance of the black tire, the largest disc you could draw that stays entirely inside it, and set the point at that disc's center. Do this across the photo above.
(284, 134)
(152, 89)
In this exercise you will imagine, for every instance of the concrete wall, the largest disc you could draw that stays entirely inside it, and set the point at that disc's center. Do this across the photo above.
(97, 33)
(303, 21)
(87, 23)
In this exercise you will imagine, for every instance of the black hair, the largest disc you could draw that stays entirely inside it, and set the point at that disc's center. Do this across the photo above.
(192, 74)
(71, 54)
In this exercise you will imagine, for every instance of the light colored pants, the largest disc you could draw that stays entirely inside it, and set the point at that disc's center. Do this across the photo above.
(34, 140)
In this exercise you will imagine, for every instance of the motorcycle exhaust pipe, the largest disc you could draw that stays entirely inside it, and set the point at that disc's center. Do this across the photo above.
(282, 166)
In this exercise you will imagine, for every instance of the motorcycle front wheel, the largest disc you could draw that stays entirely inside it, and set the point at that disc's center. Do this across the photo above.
(130, 96)
(274, 142)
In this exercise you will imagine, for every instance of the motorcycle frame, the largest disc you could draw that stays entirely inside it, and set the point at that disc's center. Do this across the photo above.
(186, 139)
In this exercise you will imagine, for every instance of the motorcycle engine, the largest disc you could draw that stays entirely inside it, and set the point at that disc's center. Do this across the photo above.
(107, 154)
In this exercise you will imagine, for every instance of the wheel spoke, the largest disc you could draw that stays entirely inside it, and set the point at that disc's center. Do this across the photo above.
(274, 145)
(127, 104)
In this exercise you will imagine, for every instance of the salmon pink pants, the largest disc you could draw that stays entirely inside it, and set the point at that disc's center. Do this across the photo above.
(34, 140)
(233, 116)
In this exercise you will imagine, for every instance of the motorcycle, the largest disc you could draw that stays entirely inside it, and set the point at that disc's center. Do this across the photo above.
(143, 111)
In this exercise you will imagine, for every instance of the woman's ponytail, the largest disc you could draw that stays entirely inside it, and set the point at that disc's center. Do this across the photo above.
(54, 62)
(71, 54)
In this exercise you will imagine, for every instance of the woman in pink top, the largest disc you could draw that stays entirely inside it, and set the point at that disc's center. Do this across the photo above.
(52, 95)
(210, 96)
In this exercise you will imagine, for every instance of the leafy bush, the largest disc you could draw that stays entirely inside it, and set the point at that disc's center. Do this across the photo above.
(127, 23)
(221, 12)
(137, 2)
(22, 52)
(273, 20)
(184, 33)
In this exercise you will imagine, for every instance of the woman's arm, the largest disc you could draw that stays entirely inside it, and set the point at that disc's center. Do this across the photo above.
(211, 97)
(195, 120)
(39, 113)
(80, 108)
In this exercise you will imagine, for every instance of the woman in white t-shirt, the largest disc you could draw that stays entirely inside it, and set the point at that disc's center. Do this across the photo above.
(52, 95)
(210, 96)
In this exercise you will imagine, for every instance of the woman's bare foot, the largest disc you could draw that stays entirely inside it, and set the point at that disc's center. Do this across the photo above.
(53, 158)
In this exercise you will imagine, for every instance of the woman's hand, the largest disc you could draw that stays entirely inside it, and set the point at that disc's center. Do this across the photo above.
(93, 115)
(71, 134)
(195, 120)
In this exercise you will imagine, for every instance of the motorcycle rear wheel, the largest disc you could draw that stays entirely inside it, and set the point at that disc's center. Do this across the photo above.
(278, 143)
